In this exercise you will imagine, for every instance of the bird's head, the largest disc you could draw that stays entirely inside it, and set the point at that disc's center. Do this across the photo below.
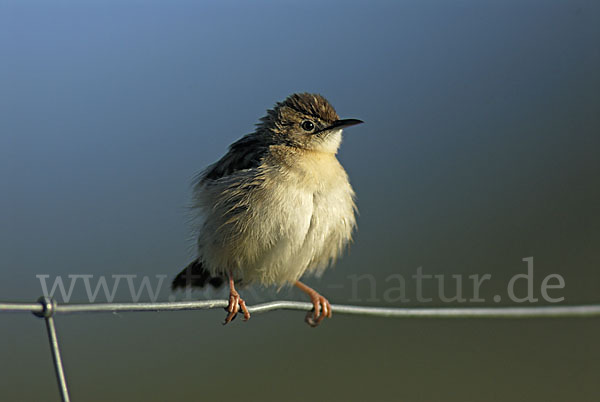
(305, 121)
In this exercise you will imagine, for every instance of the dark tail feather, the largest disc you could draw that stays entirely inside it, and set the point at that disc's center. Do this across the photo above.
(195, 275)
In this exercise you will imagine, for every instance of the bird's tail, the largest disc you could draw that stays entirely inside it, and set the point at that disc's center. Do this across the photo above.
(195, 275)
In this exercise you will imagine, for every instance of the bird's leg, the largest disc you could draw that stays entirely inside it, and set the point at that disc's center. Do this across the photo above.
(235, 303)
(321, 309)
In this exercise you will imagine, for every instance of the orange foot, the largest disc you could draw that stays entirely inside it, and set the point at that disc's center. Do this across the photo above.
(321, 306)
(235, 304)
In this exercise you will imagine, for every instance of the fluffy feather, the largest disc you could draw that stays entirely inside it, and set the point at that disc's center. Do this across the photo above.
(278, 204)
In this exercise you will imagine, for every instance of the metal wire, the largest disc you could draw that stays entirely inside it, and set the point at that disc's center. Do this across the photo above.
(48, 308)
(592, 310)
(58, 366)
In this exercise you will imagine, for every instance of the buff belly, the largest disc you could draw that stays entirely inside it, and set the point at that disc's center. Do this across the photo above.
(280, 235)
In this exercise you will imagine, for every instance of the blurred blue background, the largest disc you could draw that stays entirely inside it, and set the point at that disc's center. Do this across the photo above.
(480, 148)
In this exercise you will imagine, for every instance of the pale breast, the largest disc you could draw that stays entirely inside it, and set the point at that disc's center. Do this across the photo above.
(332, 217)
(332, 223)
(289, 219)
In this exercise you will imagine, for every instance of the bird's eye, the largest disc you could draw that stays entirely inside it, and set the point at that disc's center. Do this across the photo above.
(308, 125)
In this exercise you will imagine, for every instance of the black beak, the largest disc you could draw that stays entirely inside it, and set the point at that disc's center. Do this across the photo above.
(344, 123)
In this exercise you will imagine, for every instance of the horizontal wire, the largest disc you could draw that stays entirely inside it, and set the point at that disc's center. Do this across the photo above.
(21, 307)
(405, 312)
(47, 307)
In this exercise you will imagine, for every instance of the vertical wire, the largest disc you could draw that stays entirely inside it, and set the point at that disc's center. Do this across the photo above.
(58, 366)
(49, 306)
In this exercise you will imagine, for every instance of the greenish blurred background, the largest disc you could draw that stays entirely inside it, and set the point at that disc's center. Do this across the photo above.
(480, 148)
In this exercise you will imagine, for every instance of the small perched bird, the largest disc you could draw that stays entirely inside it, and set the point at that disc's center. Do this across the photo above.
(277, 206)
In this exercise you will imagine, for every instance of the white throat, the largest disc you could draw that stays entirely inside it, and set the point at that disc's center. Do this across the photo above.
(329, 143)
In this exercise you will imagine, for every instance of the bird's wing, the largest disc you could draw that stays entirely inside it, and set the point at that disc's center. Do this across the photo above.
(246, 153)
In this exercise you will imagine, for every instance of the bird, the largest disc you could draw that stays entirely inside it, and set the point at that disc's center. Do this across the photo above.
(276, 207)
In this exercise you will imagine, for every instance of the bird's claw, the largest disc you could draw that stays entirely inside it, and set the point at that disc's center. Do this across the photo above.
(321, 309)
(236, 303)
